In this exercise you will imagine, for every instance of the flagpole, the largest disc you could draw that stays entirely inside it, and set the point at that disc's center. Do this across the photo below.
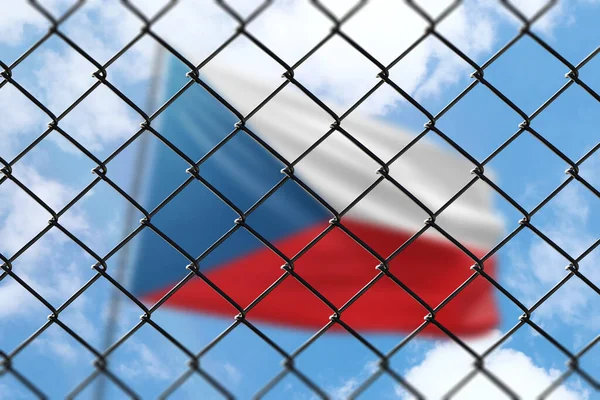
(124, 254)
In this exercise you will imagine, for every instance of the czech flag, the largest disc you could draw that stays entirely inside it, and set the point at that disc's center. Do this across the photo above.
(294, 221)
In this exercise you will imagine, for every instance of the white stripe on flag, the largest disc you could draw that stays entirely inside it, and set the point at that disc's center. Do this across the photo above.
(339, 171)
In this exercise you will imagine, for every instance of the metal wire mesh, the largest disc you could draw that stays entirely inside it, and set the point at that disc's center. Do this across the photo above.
(102, 363)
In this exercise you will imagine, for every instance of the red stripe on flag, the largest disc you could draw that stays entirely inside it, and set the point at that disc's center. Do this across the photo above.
(338, 268)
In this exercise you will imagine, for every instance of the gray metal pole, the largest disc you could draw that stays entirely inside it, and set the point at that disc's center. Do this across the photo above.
(124, 255)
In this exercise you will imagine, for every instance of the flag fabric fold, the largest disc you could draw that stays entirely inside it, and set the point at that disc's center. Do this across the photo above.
(337, 171)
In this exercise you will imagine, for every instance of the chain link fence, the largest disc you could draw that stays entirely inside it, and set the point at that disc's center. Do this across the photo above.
(102, 365)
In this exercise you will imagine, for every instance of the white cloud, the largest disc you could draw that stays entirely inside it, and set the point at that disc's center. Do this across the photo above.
(20, 118)
(16, 301)
(537, 267)
(447, 363)
(348, 386)
(343, 391)
(338, 72)
(144, 363)
(102, 118)
(233, 373)
(61, 75)
(224, 371)
(53, 343)
(10, 393)
(21, 218)
(290, 28)
(16, 19)
(141, 362)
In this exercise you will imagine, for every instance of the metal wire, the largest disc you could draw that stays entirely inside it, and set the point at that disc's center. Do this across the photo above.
(102, 360)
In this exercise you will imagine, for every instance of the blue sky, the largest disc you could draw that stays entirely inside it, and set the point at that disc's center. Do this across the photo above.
(526, 170)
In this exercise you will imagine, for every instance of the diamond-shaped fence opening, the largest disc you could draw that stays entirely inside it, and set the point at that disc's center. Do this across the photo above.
(87, 85)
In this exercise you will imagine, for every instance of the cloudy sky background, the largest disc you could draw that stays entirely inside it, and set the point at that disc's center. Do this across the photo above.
(56, 171)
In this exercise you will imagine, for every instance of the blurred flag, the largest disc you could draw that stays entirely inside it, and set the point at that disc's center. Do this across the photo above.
(338, 171)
